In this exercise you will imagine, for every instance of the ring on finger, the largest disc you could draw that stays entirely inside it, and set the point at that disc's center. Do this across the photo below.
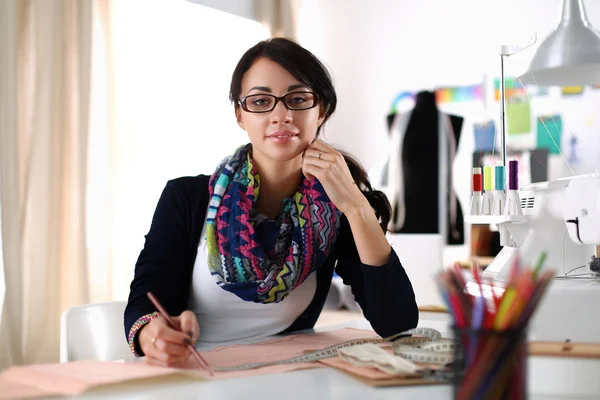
(154, 342)
(320, 154)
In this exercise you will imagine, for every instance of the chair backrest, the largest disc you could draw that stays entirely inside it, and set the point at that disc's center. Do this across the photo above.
(93, 332)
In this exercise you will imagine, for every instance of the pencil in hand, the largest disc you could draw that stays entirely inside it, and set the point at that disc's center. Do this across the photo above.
(172, 325)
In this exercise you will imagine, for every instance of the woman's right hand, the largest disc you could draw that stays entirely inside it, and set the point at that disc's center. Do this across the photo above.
(167, 347)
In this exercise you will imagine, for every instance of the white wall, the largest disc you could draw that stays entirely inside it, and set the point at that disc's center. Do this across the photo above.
(378, 48)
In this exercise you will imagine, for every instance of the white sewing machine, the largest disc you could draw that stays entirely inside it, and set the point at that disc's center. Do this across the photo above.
(562, 218)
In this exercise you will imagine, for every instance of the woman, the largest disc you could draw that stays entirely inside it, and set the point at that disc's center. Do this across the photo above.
(283, 210)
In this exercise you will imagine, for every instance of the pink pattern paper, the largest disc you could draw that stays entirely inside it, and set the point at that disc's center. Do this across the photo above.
(76, 377)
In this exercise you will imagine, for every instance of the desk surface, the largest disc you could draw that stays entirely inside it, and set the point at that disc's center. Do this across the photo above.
(548, 379)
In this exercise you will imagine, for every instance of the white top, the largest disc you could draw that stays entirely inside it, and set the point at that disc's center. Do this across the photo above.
(224, 317)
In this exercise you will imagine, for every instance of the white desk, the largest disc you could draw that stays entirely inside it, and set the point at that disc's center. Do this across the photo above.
(550, 379)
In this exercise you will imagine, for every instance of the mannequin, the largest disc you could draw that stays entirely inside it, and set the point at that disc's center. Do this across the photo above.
(425, 203)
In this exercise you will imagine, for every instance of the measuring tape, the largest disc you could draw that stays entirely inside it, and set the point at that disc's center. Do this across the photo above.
(429, 349)
(417, 344)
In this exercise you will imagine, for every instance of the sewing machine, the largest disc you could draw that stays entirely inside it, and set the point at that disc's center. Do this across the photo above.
(561, 218)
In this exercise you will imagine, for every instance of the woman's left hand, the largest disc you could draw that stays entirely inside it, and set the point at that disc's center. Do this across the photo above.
(329, 167)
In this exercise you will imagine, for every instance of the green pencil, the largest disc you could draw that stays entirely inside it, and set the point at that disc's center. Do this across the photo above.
(539, 264)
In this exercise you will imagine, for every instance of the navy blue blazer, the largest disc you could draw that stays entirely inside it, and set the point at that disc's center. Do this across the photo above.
(165, 266)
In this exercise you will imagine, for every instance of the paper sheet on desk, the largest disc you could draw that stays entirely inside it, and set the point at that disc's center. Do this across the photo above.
(72, 378)
(12, 390)
(77, 377)
(275, 350)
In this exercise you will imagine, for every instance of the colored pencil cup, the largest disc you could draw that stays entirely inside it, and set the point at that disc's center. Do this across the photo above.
(490, 364)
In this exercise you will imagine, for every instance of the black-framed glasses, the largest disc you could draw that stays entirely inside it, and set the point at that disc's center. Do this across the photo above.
(263, 103)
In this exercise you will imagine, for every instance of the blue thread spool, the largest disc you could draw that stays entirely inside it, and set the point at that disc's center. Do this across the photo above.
(500, 178)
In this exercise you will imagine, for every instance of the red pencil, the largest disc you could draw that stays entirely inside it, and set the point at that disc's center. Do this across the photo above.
(171, 323)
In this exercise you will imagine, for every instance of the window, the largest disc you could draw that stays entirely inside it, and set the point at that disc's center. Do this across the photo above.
(161, 112)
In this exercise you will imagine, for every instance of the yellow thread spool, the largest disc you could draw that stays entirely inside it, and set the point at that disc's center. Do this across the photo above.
(488, 178)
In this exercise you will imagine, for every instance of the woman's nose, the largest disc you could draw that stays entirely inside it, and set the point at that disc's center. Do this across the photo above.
(280, 113)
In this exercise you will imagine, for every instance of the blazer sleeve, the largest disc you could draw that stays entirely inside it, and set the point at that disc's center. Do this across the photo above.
(163, 265)
(384, 293)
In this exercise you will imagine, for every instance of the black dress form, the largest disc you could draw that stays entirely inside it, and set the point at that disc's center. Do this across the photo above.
(420, 166)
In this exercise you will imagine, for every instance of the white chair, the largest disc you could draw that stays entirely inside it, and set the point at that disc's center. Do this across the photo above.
(93, 332)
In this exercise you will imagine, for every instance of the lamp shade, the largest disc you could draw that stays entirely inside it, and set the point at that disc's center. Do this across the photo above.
(569, 56)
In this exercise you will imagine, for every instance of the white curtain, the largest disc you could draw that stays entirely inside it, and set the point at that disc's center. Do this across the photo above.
(45, 76)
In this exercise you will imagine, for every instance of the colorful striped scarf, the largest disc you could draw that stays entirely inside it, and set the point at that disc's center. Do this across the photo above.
(237, 262)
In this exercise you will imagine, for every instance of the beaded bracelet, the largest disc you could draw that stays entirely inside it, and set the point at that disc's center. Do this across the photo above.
(143, 320)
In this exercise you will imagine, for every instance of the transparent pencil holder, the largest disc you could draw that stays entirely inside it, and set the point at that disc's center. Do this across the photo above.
(489, 364)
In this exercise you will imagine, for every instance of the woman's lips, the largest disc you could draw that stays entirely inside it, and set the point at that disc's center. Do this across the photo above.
(283, 137)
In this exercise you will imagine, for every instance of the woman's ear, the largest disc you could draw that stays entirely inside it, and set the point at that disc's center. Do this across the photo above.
(238, 117)
(321, 115)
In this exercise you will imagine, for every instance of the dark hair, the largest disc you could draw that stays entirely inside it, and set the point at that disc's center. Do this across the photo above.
(309, 70)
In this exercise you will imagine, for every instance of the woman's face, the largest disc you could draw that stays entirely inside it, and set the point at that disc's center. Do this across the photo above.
(281, 134)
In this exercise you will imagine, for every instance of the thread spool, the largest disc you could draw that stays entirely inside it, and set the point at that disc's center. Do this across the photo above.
(513, 202)
(488, 178)
(513, 175)
(477, 185)
(500, 181)
(475, 206)
(500, 195)
(488, 185)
